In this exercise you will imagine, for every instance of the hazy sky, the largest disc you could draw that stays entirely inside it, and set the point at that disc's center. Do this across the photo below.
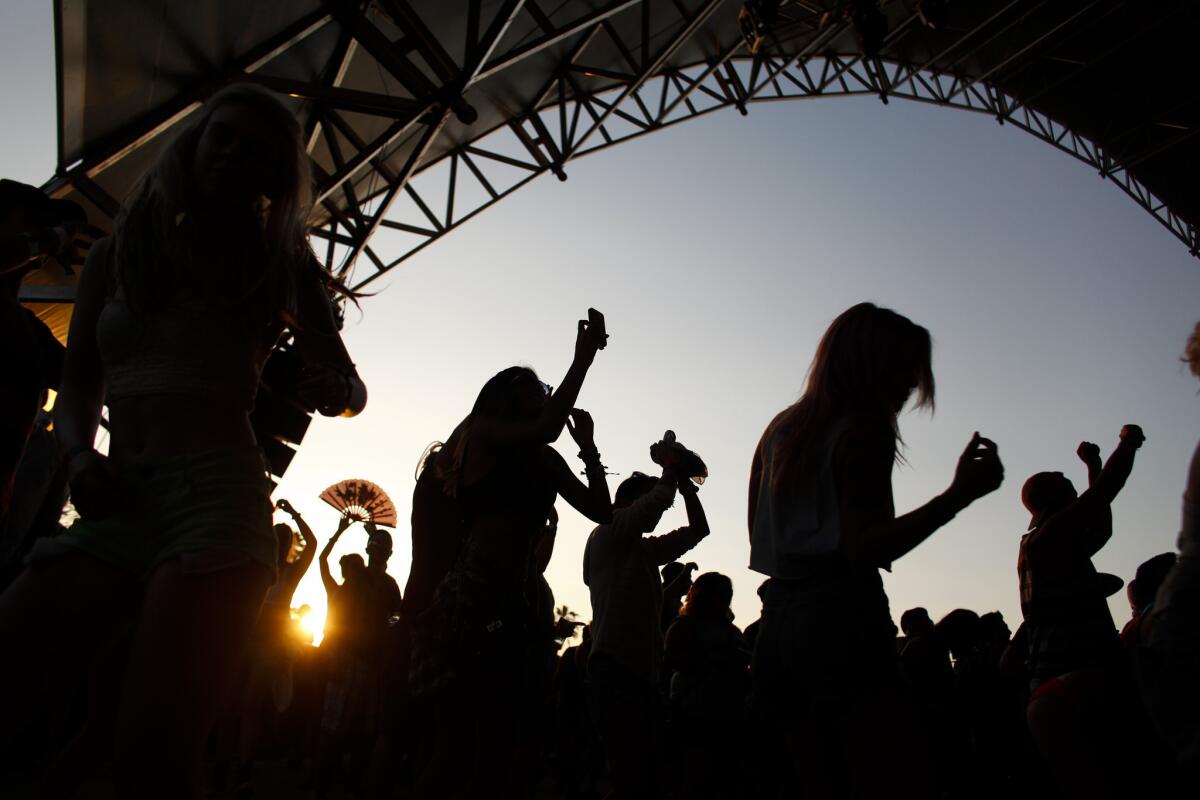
(719, 251)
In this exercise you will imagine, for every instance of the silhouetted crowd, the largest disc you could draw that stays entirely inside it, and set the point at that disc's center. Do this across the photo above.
(151, 647)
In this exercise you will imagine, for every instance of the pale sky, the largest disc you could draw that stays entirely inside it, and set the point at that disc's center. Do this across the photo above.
(719, 251)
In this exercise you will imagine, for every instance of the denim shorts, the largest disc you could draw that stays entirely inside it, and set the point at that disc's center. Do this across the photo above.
(825, 642)
(212, 510)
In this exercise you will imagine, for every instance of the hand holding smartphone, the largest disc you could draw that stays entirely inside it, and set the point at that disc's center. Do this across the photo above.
(596, 326)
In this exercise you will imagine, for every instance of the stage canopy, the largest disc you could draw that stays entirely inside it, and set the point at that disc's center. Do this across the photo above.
(422, 113)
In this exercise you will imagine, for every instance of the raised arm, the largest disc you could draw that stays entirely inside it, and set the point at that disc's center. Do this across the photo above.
(297, 569)
(591, 500)
(670, 546)
(1099, 527)
(547, 427)
(871, 533)
(331, 384)
(331, 585)
(1089, 509)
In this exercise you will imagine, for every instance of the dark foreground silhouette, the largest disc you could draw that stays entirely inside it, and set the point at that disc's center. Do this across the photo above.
(151, 649)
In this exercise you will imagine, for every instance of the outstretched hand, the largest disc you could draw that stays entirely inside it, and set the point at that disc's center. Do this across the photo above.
(979, 471)
(582, 428)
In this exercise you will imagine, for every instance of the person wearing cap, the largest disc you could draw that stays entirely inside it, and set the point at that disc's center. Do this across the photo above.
(32, 226)
(1074, 653)
(620, 568)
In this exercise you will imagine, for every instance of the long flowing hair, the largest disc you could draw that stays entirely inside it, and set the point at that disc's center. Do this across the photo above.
(148, 252)
(861, 360)
(495, 401)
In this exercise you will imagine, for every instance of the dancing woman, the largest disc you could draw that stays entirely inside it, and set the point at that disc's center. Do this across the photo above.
(174, 319)
(822, 525)
(470, 645)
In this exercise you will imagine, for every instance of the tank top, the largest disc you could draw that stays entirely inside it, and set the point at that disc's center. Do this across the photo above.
(191, 344)
(800, 521)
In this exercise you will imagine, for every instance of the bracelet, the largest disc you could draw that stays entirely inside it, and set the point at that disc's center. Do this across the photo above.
(592, 464)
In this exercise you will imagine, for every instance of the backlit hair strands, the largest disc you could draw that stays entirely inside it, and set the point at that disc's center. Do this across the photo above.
(145, 231)
(867, 355)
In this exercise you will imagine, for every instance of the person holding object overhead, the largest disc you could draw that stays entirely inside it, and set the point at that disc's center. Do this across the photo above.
(175, 316)
(471, 644)
(620, 568)
(822, 525)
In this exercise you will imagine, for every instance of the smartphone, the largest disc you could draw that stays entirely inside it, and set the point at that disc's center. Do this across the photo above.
(596, 324)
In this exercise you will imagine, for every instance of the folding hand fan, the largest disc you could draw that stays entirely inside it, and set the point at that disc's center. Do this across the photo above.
(361, 501)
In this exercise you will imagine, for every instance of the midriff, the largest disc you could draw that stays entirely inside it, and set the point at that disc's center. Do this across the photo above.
(150, 428)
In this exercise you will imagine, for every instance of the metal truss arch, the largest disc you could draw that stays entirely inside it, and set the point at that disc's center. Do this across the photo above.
(420, 114)
(543, 142)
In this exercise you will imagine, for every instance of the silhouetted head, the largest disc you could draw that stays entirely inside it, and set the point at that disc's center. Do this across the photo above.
(709, 597)
(514, 393)
(871, 360)
(283, 542)
(1147, 580)
(241, 155)
(633, 487)
(353, 566)
(959, 630)
(1047, 493)
(379, 548)
(916, 622)
(993, 629)
(869, 363)
(511, 394)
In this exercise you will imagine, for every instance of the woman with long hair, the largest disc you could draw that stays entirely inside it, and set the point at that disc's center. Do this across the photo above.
(174, 318)
(709, 664)
(471, 644)
(822, 525)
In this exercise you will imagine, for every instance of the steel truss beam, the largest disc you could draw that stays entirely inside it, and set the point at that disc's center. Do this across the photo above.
(534, 145)
(371, 188)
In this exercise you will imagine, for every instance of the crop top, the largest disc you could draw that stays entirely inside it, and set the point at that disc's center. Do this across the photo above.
(189, 345)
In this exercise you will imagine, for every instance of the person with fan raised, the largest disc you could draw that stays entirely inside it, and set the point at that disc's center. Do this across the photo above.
(175, 316)
(471, 643)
